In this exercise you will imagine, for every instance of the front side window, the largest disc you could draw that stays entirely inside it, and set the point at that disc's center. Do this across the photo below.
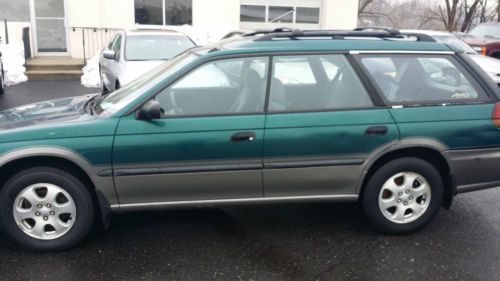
(221, 87)
(422, 79)
(155, 47)
(326, 82)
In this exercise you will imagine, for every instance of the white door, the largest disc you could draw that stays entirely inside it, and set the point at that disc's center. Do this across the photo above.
(49, 26)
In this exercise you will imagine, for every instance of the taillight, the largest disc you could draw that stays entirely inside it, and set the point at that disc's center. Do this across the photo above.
(484, 51)
(496, 115)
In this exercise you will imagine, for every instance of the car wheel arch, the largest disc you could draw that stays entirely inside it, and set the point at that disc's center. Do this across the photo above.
(425, 149)
(69, 161)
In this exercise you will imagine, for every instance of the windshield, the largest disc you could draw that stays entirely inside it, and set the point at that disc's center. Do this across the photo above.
(486, 30)
(122, 97)
(454, 41)
(155, 47)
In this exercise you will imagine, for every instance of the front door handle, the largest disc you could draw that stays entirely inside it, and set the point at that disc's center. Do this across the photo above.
(243, 136)
(376, 131)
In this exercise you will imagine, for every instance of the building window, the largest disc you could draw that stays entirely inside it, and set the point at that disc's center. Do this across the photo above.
(253, 13)
(178, 12)
(281, 14)
(163, 12)
(307, 15)
(18, 10)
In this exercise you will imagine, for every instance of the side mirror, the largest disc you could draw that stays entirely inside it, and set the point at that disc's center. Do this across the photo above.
(149, 111)
(109, 54)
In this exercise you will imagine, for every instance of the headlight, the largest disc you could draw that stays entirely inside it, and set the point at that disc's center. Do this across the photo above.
(481, 50)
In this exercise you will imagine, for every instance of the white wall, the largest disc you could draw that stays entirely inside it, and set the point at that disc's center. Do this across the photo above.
(339, 14)
(96, 13)
(15, 30)
(216, 13)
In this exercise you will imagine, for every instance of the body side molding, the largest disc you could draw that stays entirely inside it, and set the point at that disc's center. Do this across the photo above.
(238, 201)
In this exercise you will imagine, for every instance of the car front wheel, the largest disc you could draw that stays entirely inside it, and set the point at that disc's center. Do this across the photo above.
(46, 209)
(403, 195)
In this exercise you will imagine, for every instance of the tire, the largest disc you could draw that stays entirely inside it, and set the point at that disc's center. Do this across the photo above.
(76, 213)
(415, 188)
(117, 85)
(2, 82)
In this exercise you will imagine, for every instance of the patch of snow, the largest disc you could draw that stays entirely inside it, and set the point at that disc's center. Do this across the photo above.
(13, 63)
(91, 77)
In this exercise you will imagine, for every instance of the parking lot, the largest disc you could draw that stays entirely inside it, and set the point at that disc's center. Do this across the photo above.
(282, 242)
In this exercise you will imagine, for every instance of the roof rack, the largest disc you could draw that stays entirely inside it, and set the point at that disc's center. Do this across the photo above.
(365, 32)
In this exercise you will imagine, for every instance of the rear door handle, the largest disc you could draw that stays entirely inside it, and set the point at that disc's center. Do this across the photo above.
(243, 136)
(376, 131)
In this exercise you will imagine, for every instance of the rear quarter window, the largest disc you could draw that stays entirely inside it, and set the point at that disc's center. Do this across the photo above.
(422, 79)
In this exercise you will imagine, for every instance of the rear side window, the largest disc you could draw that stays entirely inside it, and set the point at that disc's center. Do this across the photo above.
(422, 79)
(315, 83)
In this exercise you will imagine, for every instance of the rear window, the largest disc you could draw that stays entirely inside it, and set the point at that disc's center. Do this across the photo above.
(422, 79)
(155, 47)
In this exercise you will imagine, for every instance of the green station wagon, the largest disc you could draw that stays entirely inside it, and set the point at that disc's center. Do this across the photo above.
(395, 121)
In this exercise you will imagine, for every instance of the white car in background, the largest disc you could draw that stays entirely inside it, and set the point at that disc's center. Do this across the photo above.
(132, 53)
(2, 75)
(488, 64)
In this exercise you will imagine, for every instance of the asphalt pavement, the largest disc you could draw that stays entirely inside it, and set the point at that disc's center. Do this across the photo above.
(279, 242)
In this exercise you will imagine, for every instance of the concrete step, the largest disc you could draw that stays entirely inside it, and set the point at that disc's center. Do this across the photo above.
(54, 63)
(54, 74)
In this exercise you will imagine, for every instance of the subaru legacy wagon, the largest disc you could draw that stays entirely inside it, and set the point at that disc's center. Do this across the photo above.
(398, 122)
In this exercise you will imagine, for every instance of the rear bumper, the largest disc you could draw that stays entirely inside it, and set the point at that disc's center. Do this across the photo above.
(474, 169)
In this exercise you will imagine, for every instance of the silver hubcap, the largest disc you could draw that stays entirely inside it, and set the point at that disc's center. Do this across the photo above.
(44, 211)
(404, 197)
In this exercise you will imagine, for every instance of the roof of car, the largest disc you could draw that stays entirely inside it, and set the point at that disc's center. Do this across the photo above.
(152, 31)
(256, 45)
(428, 32)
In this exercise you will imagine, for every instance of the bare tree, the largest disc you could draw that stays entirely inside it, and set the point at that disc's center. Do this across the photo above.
(498, 11)
(470, 14)
(363, 5)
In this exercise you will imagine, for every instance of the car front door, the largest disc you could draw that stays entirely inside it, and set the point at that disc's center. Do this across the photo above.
(109, 66)
(207, 146)
(321, 126)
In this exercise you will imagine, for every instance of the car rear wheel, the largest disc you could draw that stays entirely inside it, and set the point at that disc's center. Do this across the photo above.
(46, 209)
(403, 195)
(2, 83)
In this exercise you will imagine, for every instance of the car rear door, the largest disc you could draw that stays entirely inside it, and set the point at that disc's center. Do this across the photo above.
(437, 97)
(321, 126)
(207, 146)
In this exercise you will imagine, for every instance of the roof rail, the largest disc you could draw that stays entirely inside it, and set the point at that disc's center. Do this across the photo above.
(366, 32)
(151, 29)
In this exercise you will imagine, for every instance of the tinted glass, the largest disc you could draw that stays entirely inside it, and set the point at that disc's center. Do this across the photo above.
(18, 10)
(149, 12)
(178, 12)
(117, 44)
(410, 79)
(302, 83)
(252, 13)
(280, 14)
(217, 88)
(307, 15)
(155, 47)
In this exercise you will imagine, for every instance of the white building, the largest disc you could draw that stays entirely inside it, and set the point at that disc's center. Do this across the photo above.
(59, 27)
